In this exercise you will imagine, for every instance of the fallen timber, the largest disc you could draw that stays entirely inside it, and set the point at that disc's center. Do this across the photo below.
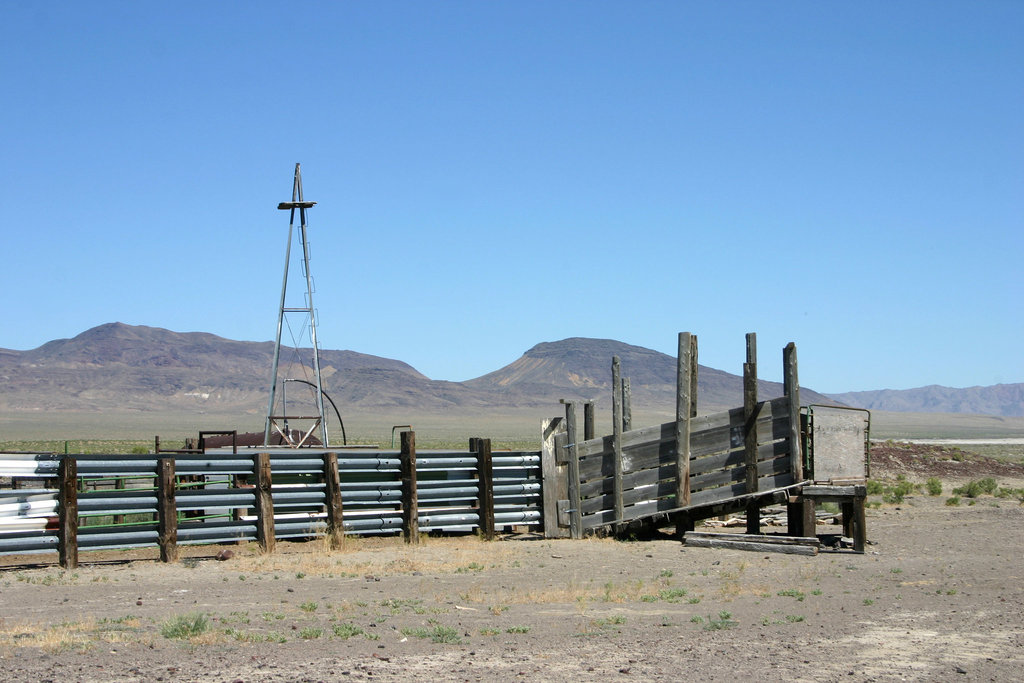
(789, 545)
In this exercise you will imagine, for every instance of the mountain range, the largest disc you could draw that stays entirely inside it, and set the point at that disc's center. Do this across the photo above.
(137, 368)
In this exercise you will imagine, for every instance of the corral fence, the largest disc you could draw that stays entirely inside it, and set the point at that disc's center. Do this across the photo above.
(688, 469)
(98, 502)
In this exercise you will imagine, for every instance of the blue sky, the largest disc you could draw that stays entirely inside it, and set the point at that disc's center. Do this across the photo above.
(490, 175)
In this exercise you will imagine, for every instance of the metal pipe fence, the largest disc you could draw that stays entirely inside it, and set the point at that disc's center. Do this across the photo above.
(117, 498)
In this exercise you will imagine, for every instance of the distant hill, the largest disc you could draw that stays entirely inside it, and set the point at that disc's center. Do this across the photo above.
(125, 368)
(118, 367)
(581, 367)
(1006, 400)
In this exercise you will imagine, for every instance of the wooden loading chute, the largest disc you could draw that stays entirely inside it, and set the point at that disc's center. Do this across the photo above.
(692, 468)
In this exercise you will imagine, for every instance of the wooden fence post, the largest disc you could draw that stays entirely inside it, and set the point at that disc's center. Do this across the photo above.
(167, 510)
(808, 517)
(627, 409)
(335, 511)
(67, 537)
(552, 474)
(575, 513)
(410, 500)
(588, 420)
(693, 375)
(617, 440)
(750, 412)
(119, 486)
(684, 409)
(485, 472)
(791, 387)
(264, 503)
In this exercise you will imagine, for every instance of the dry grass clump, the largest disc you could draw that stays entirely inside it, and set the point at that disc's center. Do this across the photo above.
(378, 556)
(77, 635)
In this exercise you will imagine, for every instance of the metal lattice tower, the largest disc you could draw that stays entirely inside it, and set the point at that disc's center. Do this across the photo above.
(279, 422)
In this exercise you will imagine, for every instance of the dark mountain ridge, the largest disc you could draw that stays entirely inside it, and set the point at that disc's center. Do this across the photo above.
(118, 367)
(124, 367)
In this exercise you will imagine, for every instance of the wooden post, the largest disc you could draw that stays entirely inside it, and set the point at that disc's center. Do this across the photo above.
(860, 524)
(562, 459)
(617, 440)
(575, 513)
(684, 403)
(750, 411)
(588, 420)
(794, 516)
(627, 408)
(167, 510)
(791, 387)
(551, 474)
(693, 375)
(485, 470)
(854, 520)
(808, 517)
(119, 486)
(264, 503)
(410, 500)
(335, 511)
(67, 501)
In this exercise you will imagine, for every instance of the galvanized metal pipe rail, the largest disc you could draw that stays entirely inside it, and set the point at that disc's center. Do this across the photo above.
(211, 508)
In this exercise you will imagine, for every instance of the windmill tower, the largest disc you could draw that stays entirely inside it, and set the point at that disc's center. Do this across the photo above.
(278, 419)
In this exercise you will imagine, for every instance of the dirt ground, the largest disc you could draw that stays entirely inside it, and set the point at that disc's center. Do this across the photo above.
(937, 596)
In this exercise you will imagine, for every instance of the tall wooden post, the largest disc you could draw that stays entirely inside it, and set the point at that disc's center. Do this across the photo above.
(693, 375)
(485, 471)
(572, 434)
(627, 408)
(617, 440)
(750, 411)
(684, 403)
(335, 511)
(791, 387)
(588, 420)
(67, 501)
(167, 510)
(264, 503)
(410, 500)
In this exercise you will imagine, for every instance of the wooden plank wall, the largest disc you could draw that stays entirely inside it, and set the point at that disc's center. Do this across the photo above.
(717, 471)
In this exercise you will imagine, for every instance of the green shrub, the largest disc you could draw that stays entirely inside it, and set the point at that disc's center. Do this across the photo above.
(793, 593)
(875, 487)
(977, 487)
(934, 486)
(437, 634)
(955, 500)
(723, 622)
(346, 631)
(185, 626)
(903, 488)
(893, 496)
